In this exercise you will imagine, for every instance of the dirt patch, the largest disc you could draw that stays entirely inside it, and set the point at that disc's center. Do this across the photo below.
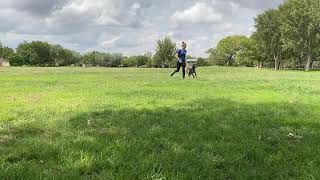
(5, 138)
(35, 98)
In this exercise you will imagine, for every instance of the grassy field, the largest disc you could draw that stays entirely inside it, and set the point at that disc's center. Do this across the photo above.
(98, 123)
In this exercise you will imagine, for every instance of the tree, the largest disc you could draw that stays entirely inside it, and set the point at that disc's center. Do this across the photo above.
(259, 54)
(58, 53)
(102, 59)
(63, 56)
(269, 34)
(5, 52)
(1, 50)
(15, 60)
(76, 57)
(137, 61)
(202, 62)
(42, 49)
(212, 59)
(130, 62)
(234, 51)
(149, 56)
(250, 54)
(301, 28)
(88, 58)
(116, 59)
(25, 51)
(165, 51)
(36, 53)
(142, 60)
(227, 50)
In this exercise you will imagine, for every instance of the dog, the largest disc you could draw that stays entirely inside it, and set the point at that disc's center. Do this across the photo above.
(192, 71)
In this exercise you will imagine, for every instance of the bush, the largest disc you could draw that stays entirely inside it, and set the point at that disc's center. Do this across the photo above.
(15, 60)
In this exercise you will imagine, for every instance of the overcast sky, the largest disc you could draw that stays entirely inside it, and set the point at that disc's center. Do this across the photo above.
(127, 26)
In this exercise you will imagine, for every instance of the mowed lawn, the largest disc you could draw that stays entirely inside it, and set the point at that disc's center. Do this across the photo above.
(100, 123)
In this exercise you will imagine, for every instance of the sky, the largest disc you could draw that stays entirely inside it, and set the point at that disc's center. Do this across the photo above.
(127, 26)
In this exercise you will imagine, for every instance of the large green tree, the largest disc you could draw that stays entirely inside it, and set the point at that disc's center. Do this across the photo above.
(5, 52)
(88, 58)
(301, 28)
(137, 61)
(16, 60)
(247, 56)
(212, 59)
(26, 53)
(269, 35)
(63, 56)
(1, 49)
(263, 58)
(102, 59)
(165, 51)
(228, 49)
(36, 53)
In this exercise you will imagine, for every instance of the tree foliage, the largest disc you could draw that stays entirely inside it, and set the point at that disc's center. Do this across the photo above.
(165, 51)
(36, 53)
(138, 61)
(96, 58)
(16, 60)
(5, 52)
(301, 28)
(288, 36)
(63, 56)
(268, 35)
(231, 50)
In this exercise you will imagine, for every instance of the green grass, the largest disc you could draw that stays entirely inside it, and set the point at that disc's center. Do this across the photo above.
(97, 123)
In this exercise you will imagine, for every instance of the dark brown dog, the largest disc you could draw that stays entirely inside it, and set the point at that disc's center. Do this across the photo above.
(192, 71)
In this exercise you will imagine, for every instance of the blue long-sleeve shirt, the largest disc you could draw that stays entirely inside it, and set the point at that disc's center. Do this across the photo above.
(182, 54)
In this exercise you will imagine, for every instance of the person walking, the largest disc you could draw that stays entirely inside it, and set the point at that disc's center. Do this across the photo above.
(181, 56)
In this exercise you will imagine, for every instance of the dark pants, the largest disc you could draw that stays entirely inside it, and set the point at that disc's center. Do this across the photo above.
(179, 65)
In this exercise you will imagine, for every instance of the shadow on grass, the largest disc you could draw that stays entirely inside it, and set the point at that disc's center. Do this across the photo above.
(211, 138)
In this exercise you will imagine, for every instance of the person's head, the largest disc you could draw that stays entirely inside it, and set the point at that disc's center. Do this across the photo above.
(184, 45)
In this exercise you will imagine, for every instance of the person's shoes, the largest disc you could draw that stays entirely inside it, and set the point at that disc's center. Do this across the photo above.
(172, 74)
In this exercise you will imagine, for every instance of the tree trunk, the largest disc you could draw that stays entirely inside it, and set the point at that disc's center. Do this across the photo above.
(293, 65)
(280, 62)
(309, 56)
(309, 60)
(276, 63)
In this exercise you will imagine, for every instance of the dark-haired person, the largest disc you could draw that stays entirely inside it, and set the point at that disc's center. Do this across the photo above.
(181, 56)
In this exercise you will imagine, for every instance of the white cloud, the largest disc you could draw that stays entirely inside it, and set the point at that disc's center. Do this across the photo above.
(199, 13)
(127, 26)
(227, 26)
(234, 6)
(109, 42)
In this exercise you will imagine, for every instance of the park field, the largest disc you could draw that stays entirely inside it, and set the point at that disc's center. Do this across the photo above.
(100, 123)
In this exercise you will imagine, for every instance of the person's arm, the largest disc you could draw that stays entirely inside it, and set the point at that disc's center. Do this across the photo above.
(177, 56)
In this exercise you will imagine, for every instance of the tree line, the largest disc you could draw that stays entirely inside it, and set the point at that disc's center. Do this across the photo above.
(43, 54)
(285, 37)
(38, 53)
